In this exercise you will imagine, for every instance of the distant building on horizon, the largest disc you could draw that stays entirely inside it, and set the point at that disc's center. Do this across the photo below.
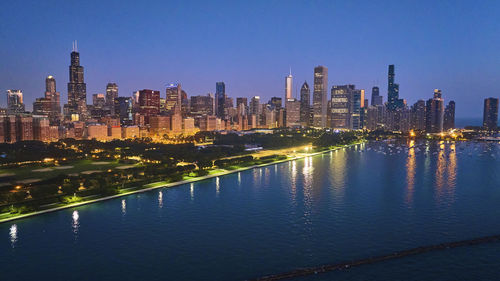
(434, 113)
(490, 114)
(320, 101)
(340, 106)
(393, 100)
(449, 116)
(173, 96)
(111, 95)
(377, 99)
(220, 99)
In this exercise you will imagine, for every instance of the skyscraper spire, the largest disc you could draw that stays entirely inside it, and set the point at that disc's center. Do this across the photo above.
(76, 46)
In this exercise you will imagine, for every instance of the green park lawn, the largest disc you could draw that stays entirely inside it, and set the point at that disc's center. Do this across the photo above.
(41, 171)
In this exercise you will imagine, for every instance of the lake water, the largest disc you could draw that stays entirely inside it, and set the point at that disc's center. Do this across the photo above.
(353, 203)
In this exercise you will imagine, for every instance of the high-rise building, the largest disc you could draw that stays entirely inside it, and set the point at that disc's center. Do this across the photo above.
(254, 106)
(320, 102)
(220, 99)
(123, 109)
(377, 99)
(275, 103)
(149, 103)
(490, 114)
(393, 101)
(305, 105)
(417, 116)
(292, 112)
(98, 100)
(289, 86)
(357, 109)
(50, 104)
(202, 105)
(15, 102)
(111, 95)
(434, 113)
(449, 116)
(340, 116)
(174, 96)
(77, 89)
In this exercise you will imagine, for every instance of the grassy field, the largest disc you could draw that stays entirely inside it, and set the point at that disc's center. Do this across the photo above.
(41, 171)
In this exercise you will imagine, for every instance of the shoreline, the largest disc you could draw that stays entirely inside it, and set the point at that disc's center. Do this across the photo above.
(168, 185)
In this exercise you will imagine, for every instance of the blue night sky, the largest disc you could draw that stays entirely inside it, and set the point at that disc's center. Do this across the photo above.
(250, 45)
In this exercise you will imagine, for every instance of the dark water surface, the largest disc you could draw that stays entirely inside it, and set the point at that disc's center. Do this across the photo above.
(353, 203)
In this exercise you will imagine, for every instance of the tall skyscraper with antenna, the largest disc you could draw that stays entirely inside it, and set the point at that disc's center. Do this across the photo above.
(77, 89)
(289, 86)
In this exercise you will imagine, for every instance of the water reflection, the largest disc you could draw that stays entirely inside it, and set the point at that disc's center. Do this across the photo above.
(217, 185)
(410, 170)
(293, 179)
(239, 178)
(338, 174)
(160, 199)
(191, 190)
(76, 222)
(13, 235)
(452, 167)
(124, 207)
(441, 164)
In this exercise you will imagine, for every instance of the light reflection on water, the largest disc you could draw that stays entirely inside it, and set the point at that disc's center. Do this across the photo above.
(160, 199)
(124, 207)
(75, 225)
(191, 190)
(13, 235)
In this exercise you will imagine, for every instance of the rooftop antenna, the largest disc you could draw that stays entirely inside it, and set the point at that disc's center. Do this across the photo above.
(290, 71)
(76, 46)
(73, 46)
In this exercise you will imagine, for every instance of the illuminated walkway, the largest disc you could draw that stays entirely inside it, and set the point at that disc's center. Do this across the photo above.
(371, 260)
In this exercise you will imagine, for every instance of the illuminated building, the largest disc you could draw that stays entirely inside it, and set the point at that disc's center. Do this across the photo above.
(149, 103)
(417, 115)
(289, 86)
(41, 129)
(188, 126)
(174, 96)
(50, 104)
(114, 132)
(159, 125)
(320, 96)
(292, 107)
(393, 100)
(97, 131)
(377, 99)
(202, 105)
(449, 116)
(340, 106)
(305, 105)
(434, 113)
(275, 103)
(24, 128)
(111, 95)
(15, 103)
(130, 132)
(208, 123)
(243, 101)
(77, 89)
(220, 99)
(490, 114)
(98, 100)
(123, 109)
(357, 109)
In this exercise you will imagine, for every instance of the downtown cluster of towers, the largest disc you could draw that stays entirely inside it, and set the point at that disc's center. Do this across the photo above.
(147, 114)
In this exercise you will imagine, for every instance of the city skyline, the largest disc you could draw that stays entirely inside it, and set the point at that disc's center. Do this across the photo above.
(423, 63)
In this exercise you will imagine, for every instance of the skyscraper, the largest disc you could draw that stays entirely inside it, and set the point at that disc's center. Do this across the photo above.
(111, 95)
(417, 116)
(357, 109)
(15, 102)
(320, 102)
(305, 104)
(289, 86)
(123, 109)
(393, 101)
(490, 114)
(220, 99)
(377, 99)
(50, 104)
(449, 116)
(174, 96)
(434, 113)
(77, 89)
(341, 95)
